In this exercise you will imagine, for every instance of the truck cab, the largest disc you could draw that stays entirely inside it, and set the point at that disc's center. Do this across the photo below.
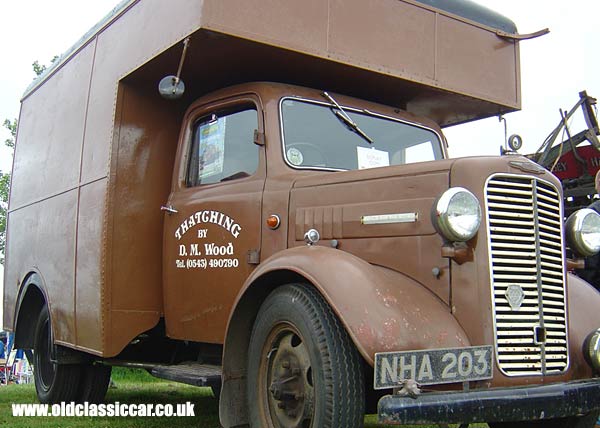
(234, 172)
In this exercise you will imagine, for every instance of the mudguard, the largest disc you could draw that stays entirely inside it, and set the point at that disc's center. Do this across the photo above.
(31, 297)
(584, 318)
(382, 310)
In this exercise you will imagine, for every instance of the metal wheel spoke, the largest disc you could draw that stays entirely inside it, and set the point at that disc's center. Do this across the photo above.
(306, 368)
(289, 379)
(302, 355)
(285, 343)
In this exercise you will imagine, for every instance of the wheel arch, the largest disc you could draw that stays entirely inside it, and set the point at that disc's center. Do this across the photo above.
(31, 299)
(583, 301)
(232, 400)
(381, 310)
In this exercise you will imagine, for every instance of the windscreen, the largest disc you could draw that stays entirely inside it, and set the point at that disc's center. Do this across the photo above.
(316, 135)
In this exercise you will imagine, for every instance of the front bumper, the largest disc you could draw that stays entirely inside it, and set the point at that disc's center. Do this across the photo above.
(493, 405)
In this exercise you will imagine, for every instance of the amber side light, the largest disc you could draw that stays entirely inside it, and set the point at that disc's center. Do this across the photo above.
(460, 254)
(575, 264)
(273, 221)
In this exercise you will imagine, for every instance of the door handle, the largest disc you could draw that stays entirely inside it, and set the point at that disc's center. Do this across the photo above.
(169, 209)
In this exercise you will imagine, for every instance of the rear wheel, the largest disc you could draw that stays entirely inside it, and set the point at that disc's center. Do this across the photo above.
(303, 369)
(95, 379)
(216, 390)
(54, 383)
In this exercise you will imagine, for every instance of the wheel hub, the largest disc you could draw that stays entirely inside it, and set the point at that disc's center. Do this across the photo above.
(290, 382)
(287, 388)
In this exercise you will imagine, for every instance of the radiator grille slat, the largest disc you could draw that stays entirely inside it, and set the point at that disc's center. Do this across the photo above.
(524, 217)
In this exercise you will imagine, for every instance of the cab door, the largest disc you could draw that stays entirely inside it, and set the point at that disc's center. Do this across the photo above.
(212, 227)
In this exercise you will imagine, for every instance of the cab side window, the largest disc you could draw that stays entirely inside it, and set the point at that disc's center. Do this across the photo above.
(223, 147)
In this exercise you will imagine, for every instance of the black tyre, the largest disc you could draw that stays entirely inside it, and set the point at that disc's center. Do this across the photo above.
(94, 383)
(216, 390)
(585, 421)
(54, 383)
(303, 369)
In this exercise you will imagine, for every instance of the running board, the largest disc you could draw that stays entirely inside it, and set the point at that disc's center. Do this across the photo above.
(192, 373)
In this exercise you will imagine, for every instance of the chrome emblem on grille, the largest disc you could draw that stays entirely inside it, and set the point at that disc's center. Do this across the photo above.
(527, 166)
(515, 296)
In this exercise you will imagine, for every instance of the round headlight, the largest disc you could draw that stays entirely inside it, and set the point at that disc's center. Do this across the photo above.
(583, 232)
(457, 214)
(591, 350)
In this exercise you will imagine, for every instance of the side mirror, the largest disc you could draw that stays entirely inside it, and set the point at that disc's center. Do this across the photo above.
(171, 87)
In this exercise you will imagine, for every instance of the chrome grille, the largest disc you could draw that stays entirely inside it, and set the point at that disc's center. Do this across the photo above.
(525, 243)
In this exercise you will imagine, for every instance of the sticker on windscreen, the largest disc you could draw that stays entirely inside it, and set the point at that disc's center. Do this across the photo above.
(211, 148)
(295, 156)
(372, 158)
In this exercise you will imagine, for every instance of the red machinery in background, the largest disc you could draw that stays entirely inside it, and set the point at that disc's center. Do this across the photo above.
(576, 159)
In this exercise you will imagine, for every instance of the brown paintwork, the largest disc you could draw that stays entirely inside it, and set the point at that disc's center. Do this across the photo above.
(193, 311)
(382, 309)
(584, 314)
(87, 152)
(379, 193)
(99, 151)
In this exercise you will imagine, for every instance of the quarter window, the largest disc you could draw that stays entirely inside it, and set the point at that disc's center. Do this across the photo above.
(223, 147)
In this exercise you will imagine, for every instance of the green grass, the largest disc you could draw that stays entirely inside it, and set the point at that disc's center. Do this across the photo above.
(132, 386)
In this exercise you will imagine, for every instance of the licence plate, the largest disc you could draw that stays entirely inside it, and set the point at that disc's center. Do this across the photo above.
(433, 366)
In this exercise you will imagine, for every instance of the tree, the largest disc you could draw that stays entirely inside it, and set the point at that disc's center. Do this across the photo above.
(40, 68)
(12, 127)
(5, 187)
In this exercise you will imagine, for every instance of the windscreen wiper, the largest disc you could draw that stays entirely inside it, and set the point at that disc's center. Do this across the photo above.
(341, 114)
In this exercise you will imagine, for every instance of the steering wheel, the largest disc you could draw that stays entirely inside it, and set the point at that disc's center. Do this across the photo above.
(301, 153)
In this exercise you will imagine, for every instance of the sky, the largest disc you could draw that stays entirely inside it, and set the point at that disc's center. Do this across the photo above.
(554, 68)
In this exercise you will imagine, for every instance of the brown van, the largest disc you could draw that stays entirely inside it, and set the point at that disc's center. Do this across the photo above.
(286, 227)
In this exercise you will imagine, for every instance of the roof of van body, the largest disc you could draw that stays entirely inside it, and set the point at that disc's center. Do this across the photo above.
(474, 12)
(439, 58)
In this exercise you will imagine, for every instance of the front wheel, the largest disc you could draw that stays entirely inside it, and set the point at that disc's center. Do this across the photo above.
(54, 383)
(303, 369)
